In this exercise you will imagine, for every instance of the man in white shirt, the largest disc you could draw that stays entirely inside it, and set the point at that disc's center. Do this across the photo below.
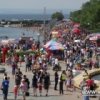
(56, 61)
(56, 64)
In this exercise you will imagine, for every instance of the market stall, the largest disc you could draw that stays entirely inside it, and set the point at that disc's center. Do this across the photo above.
(54, 47)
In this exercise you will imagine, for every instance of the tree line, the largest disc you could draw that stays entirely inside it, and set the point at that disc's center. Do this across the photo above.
(88, 16)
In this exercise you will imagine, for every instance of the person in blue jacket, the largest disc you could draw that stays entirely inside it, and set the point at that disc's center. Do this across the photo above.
(5, 87)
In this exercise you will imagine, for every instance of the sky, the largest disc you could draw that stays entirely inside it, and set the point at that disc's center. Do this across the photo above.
(38, 5)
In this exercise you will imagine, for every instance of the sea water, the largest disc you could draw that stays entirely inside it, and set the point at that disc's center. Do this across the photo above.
(18, 32)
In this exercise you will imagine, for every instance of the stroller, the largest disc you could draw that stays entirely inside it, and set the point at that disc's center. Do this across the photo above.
(57, 67)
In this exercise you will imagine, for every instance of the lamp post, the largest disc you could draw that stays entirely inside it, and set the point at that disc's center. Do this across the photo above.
(38, 43)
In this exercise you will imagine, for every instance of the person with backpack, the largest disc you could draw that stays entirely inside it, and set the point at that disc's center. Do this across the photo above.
(5, 87)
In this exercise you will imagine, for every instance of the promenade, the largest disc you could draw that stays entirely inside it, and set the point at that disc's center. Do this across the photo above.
(53, 95)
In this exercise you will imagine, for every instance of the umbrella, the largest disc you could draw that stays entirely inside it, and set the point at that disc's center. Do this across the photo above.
(53, 45)
(56, 47)
(76, 30)
(51, 42)
(76, 25)
(92, 35)
(94, 38)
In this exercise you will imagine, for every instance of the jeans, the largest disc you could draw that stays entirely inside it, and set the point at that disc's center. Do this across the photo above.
(5, 94)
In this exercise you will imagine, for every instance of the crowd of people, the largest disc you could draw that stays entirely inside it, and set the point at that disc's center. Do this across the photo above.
(75, 54)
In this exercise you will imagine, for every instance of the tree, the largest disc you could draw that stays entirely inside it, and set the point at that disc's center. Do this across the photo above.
(58, 16)
(88, 15)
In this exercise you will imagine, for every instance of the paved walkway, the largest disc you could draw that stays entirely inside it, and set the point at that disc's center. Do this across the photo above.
(52, 94)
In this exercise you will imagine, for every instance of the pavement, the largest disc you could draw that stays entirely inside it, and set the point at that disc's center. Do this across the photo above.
(53, 95)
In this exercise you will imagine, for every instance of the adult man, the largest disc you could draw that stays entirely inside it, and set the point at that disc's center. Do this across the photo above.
(56, 80)
(56, 63)
(5, 86)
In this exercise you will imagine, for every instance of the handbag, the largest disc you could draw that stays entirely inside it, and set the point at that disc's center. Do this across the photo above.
(27, 93)
(1, 88)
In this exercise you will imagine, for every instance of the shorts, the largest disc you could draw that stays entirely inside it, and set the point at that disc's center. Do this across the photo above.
(40, 87)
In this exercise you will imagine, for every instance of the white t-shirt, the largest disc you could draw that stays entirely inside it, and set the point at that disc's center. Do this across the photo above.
(56, 61)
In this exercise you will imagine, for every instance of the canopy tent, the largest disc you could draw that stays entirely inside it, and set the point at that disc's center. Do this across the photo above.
(76, 25)
(49, 43)
(56, 47)
(94, 36)
(9, 41)
(53, 45)
(76, 31)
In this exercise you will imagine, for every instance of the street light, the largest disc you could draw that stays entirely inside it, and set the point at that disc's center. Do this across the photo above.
(38, 43)
(38, 35)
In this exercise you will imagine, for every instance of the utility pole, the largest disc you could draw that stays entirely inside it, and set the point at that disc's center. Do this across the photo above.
(44, 24)
(44, 13)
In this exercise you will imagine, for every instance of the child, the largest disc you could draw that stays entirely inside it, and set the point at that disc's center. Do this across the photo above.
(15, 91)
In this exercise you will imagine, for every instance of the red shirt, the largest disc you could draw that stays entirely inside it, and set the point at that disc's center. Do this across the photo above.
(90, 82)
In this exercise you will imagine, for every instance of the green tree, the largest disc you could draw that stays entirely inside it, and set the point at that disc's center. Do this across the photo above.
(58, 16)
(88, 15)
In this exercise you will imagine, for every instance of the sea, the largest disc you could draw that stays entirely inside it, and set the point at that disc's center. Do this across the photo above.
(24, 17)
(17, 32)
(27, 16)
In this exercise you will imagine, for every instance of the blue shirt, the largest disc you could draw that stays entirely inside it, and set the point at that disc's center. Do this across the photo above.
(5, 84)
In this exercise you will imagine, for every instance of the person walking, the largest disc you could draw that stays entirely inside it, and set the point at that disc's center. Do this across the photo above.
(46, 82)
(15, 90)
(61, 87)
(34, 83)
(5, 87)
(56, 80)
(14, 67)
(26, 62)
(62, 79)
(27, 83)
(40, 82)
(23, 87)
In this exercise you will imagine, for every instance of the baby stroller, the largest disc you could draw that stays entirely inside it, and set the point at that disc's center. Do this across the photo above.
(57, 67)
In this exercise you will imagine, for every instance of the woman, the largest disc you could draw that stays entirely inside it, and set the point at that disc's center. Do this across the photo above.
(70, 83)
(23, 87)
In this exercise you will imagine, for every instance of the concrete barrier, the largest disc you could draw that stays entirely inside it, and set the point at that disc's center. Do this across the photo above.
(79, 78)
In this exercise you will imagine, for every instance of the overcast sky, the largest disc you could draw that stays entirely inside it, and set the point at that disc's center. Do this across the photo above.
(40, 4)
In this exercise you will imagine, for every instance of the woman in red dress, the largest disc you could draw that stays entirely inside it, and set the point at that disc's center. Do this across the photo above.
(4, 53)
